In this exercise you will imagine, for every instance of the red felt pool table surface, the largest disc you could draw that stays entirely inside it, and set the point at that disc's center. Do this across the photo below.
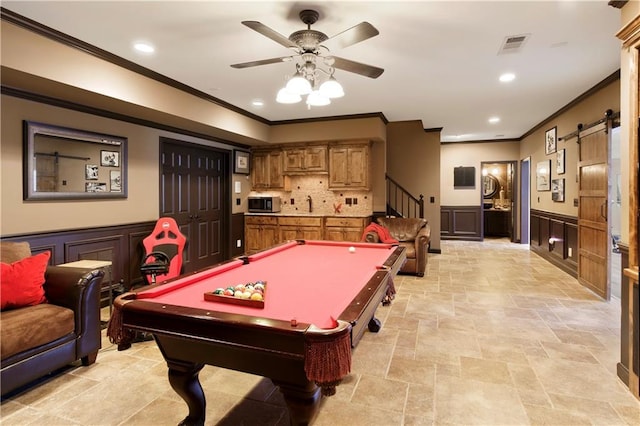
(312, 282)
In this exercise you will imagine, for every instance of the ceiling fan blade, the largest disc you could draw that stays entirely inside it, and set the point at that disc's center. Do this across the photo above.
(268, 32)
(357, 67)
(353, 35)
(263, 62)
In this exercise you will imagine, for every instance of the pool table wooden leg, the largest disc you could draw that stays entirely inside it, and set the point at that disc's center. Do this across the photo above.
(183, 377)
(374, 325)
(303, 401)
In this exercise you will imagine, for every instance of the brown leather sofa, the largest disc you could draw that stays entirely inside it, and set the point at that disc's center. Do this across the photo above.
(412, 233)
(37, 340)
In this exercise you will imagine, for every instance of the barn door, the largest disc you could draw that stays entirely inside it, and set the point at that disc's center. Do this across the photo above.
(194, 191)
(593, 209)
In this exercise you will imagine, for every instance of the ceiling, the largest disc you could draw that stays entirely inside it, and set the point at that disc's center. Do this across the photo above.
(441, 59)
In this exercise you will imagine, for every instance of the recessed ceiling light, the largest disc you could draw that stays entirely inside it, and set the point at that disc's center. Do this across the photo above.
(143, 47)
(494, 120)
(507, 77)
(257, 102)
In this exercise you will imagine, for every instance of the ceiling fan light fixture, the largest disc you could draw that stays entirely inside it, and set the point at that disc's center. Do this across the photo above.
(331, 88)
(286, 97)
(316, 98)
(299, 85)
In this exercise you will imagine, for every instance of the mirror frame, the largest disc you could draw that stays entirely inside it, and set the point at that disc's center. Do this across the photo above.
(108, 143)
(496, 186)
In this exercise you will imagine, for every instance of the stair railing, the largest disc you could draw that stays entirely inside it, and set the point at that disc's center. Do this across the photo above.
(401, 203)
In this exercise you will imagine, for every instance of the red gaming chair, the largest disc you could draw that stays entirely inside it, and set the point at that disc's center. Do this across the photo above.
(163, 251)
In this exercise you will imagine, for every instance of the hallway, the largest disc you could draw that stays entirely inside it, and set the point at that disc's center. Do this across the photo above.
(492, 335)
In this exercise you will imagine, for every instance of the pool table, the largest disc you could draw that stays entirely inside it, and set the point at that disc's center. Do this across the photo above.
(319, 297)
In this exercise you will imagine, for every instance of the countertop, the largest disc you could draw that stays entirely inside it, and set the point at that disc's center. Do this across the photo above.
(307, 215)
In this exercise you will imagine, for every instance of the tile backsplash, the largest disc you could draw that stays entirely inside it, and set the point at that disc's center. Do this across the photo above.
(324, 202)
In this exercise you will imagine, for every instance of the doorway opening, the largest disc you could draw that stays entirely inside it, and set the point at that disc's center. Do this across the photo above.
(525, 200)
(615, 216)
(498, 199)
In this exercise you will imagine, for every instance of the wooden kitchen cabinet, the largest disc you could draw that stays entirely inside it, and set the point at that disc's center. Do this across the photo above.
(295, 228)
(305, 159)
(261, 232)
(345, 228)
(349, 166)
(267, 169)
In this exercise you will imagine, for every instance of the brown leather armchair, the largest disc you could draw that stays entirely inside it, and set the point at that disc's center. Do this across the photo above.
(412, 233)
(37, 340)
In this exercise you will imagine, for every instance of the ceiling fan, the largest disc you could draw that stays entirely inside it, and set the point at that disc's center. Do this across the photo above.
(309, 50)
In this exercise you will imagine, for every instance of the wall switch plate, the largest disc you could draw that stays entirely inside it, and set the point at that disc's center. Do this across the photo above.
(238, 243)
(347, 201)
(432, 200)
(238, 201)
(575, 202)
(355, 201)
(570, 252)
(292, 201)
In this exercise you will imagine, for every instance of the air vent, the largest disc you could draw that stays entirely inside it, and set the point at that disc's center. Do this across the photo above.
(513, 44)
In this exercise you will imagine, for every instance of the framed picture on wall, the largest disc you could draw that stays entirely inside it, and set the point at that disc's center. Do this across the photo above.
(241, 162)
(95, 186)
(109, 158)
(560, 162)
(557, 190)
(550, 141)
(543, 175)
(91, 172)
(115, 181)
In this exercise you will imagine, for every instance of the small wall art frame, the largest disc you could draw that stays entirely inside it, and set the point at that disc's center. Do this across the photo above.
(241, 162)
(557, 190)
(560, 161)
(550, 141)
(543, 175)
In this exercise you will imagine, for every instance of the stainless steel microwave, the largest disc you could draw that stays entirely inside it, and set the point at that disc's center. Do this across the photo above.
(264, 204)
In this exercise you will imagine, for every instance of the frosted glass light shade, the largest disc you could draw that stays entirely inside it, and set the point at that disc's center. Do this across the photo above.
(286, 97)
(299, 85)
(315, 98)
(331, 89)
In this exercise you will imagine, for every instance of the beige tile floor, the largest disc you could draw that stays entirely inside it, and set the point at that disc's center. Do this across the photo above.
(492, 335)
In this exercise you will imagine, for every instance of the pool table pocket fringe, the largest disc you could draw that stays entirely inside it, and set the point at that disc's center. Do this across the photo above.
(327, 361)
(116, 332)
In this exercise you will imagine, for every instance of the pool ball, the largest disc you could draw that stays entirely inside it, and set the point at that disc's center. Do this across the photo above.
(352, 249)
(256, 296)
(238, 293)
(219, 291)
(229, 292)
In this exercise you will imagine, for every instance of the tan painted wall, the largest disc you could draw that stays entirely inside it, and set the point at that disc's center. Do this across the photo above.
(470, 154)
(29, 57)
(18, 216)
(589, 110)
(413, 160)
(372, 128)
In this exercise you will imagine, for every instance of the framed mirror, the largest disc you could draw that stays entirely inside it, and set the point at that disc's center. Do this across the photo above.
(490, 186)
(62, 163)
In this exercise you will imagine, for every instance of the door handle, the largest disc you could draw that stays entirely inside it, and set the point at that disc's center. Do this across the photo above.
(603, 210)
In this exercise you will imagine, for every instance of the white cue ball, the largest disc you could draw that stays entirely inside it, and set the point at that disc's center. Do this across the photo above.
(352, 249)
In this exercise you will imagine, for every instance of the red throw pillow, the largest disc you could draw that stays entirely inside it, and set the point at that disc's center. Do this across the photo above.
(21, 282)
